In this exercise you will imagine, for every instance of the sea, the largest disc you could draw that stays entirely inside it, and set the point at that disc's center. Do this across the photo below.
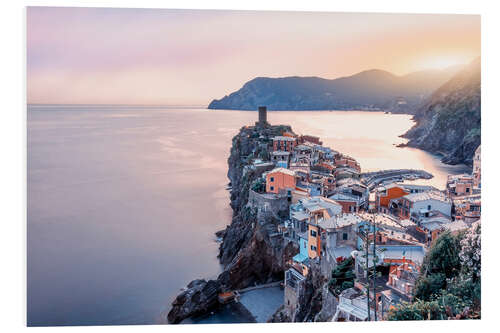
(123, 201)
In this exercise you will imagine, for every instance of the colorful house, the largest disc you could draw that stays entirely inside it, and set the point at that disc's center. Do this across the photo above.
(280, 158)
(468, 209)
(279, 180)
(384, 195)
(459, 185)
(301, 259)
(402, 278)
(415, 204)
(350, 203)
(343, 160)
(284, 143)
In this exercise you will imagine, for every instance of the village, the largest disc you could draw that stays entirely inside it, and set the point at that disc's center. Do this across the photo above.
(365, 233)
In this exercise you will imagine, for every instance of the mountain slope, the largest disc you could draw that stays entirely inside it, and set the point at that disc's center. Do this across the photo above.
(367, 90)
(449, 122)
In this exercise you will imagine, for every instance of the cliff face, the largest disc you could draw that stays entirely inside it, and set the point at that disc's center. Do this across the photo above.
(316, 304)
(449, 122)
(250, 252)
(367, 90)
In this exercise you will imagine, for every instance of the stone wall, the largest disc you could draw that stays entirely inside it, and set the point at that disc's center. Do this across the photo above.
(268, 205)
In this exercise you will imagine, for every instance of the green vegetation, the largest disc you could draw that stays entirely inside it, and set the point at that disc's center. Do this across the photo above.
(259, 185)
(450, 284)
(263, 154)
(342, 277)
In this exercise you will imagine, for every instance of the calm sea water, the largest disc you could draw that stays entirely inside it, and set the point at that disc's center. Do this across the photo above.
(123, 202)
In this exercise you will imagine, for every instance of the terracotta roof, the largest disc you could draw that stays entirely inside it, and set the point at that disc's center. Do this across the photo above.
(283, 170)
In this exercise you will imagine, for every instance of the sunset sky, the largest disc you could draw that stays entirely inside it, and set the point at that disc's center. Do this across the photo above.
(160, 56)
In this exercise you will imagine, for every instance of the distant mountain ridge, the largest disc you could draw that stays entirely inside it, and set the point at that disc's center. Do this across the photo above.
(449, 121)
(368, 90)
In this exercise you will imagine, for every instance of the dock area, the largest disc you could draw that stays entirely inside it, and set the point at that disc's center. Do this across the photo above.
(373, 179)
(261, 301)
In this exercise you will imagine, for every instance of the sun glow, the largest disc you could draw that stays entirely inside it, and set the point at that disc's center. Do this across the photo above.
(442, 62)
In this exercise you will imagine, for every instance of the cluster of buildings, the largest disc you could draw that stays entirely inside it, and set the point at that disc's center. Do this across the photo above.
(333, 216)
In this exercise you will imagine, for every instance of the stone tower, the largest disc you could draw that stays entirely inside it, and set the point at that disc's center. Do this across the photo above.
(262, 116)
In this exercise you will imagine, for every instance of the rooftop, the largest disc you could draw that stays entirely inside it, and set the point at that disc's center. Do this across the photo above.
(280, 153)
(300, 216)
(341, 251)
(283, 138)
(339, 221)
(381, 220)
(456, 226)
(431, 195)
(283, 170)
(303, 147)
(346, 197)
(414, 253)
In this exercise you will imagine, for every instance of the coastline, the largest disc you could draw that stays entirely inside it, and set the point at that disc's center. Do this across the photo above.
(250, 235)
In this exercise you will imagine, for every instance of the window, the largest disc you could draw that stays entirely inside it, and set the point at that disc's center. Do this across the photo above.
(344, 236)
(313, 248)
(271, 180)
(428, 207)
(313, 233)
(272, 188)
(467, 190)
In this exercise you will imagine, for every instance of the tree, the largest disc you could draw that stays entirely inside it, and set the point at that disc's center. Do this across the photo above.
(443, 256)
(427, 286)
(342, 276)
(450, 284)
(470, 254)
(259, 185)
(418, 310)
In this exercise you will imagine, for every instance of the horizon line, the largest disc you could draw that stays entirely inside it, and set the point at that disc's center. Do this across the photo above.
(115, 104)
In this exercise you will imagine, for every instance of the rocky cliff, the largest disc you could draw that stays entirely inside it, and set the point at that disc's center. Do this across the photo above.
(251, 251)
(449, 122)
(316, 304)
(368, 90)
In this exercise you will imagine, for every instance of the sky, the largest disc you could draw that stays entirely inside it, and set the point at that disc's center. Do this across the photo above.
(189, 57)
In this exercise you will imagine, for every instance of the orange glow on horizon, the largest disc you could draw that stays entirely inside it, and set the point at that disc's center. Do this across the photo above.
(162, 56)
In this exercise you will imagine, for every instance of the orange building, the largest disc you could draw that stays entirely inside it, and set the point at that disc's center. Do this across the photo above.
(384, 195)
(314, 241)
(280, 179)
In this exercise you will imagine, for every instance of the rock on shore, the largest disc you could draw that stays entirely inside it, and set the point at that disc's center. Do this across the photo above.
(199, 297)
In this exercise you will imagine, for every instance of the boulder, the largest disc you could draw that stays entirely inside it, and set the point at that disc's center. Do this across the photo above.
(199, 297)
